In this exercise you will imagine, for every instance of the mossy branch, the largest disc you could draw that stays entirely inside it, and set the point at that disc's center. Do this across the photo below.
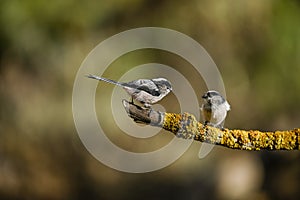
(186, 126)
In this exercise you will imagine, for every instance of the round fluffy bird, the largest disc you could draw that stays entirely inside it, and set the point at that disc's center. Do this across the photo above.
(214, 109)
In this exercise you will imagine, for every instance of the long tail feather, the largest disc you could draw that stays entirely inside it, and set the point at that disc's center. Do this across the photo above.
(105, 80)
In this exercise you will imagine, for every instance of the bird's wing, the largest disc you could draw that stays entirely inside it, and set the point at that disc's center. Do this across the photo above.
(144, 85)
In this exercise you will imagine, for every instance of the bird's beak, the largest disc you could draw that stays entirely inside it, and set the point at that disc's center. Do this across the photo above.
(204, 96)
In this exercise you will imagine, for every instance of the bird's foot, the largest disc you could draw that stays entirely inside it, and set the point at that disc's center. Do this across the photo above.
(207, 123)
(148, 106)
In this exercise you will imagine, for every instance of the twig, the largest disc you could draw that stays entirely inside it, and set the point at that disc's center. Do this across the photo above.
(186, 126)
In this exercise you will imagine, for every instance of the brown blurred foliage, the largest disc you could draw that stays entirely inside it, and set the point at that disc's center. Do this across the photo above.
(255, 44)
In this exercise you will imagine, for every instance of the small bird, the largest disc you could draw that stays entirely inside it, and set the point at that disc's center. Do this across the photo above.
(214, 109)
(145, 91)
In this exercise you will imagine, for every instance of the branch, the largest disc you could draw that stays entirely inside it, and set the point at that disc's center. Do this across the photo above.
(187, 127)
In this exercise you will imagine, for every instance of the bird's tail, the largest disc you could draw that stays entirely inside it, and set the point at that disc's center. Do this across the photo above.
(105, 80)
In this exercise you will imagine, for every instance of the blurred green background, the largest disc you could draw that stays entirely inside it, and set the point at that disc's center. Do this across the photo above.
(255, 44)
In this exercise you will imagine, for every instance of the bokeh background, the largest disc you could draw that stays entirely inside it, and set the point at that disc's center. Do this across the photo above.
(255, 44)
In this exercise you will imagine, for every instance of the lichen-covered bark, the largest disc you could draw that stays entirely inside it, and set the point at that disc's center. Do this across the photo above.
(257, 140)
(187, 127)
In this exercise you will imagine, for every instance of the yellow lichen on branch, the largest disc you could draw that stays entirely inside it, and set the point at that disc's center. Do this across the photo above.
(171, 122)
(257, 140)
(187, 127)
